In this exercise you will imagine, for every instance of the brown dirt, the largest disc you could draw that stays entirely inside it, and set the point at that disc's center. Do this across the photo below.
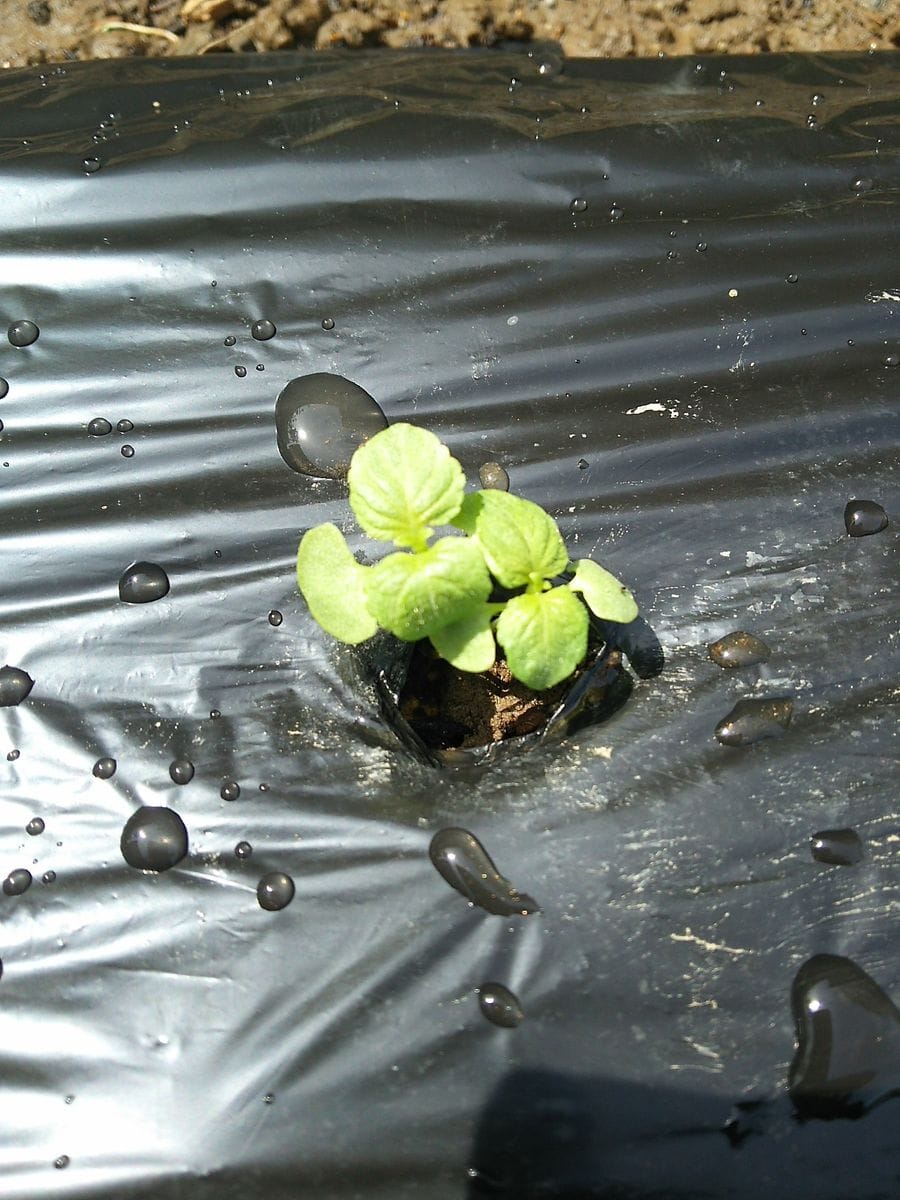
(451, 708)
(38, 31)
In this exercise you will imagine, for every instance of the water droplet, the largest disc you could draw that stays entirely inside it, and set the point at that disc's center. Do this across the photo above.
(792, 278)
(13, 755)
(817, 98)
(4, 387)
(35, 826)
(262, 330)
(551, 62)
(241, 372)
(230, 790)
(23, 333)
(142, 583)
(70, 1099)
(671, 255)
(124, 426)
(230, 340)
(214, 714)
(465, 864)
(838, 847)
(91, 165)
(616, 213)
(583, 464)
(738, 649)
(753, 720)
(243, 850)
(320, 420)
(181, 771)
(154, 839)
(104, 768)
(328, 323)
(15, 684)
(812, 121)
(493, 476)
(269, 1098)
(862, 518)
(263, 787)
(701, 247)
(848, 1035)
(275, 891)
(62, 1162)
(862, 184)
(99, 427)
(48, 877)
(17, 882)
(578, 205)
(500, 1005)
(260, 366)
(127, 451)
(275, 617)
(891, 360)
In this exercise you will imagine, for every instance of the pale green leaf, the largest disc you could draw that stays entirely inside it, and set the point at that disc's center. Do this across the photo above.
(468, 644)
(543, 635)
(606, 596)
(332, 583)
(403, 482)
(413, 595)
(521, 542)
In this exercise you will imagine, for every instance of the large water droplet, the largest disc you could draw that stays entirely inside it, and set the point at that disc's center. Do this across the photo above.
(753, 720)
(275, 891)
(61, 1162)
(142, 583)
(492, 475)
(320, 420)
(181, 771)
(154, 839)
(104, 768)
(578, 205)
(262, 330)
(243, 850)
(241, 372)
(230, 340)
(838, 847)
(864, 517)
(230, 790)
(275, 618)
(48, 877)
(500, 1005)
(17, 882)
(4, 388)
(465, 864)
(13, 755)
(15, 684)
(99, 427)
(90, 165)
(738, 649)
(127, 451)
(35, 826)
(862, 184)
(23, 333)
(328, 324)
(848, 1035)
(124, 426)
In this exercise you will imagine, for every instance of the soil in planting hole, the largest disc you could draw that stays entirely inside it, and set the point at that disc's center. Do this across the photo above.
(452, 709)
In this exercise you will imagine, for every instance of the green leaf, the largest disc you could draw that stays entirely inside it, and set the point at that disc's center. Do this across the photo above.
(413, 595)
(468, 644)
(333, 585)
(606, 596)
(544, 636)
(403, 482)
(521, 542)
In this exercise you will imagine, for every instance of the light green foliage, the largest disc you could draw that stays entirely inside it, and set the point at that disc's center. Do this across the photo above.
(403, 483)
(521, 543)
(332, 583)
(543, 635)
(604, 595)
(414, 595)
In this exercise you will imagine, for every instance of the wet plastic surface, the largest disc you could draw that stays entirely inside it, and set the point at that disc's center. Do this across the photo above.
(666, 302)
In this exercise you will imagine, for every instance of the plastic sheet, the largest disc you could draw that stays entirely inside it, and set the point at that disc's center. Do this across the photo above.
(664, 296)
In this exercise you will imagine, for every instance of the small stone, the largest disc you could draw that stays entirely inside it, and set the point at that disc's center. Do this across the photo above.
(738, 649)
(494, 477)
(863, 517)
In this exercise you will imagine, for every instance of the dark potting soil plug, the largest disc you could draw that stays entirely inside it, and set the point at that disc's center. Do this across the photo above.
(505, 579)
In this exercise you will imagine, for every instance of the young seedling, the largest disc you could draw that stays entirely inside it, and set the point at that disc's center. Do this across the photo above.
(403, 484)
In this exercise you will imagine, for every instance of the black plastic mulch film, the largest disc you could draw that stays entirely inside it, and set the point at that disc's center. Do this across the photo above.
(665, 296)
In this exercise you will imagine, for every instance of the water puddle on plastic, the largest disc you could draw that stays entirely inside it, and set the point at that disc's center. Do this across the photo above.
(320, 420)
(465, 864)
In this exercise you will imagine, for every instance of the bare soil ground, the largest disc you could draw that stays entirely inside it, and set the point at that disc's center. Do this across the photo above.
(38, 31)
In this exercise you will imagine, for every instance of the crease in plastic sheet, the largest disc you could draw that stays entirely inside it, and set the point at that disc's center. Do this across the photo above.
(163, 1035)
